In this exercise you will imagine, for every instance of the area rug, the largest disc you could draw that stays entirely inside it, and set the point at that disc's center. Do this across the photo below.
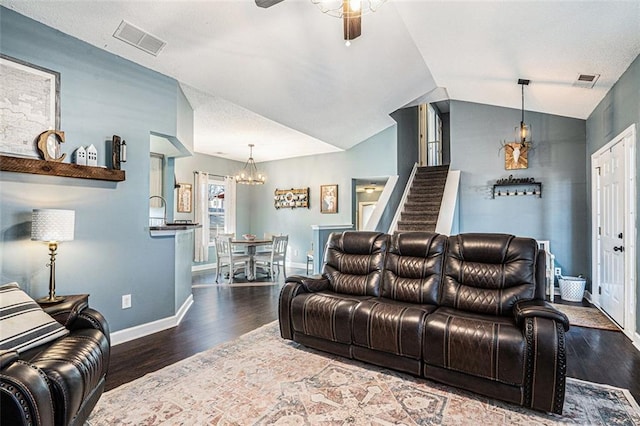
(584, 316)
(261, 379)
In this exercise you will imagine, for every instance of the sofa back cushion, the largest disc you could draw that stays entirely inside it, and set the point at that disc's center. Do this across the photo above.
(413, 268)
(353, 262)
(488, 273)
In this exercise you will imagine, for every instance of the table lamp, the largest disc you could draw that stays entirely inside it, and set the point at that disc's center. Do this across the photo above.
(53, 226)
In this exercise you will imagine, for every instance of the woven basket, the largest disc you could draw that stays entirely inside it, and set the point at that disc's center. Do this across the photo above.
(572, 288)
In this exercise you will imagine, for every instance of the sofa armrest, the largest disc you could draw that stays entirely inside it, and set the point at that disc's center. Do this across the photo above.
(90, 318)
(66, 311)
(310, 284)
(538, 308)
(25, 397)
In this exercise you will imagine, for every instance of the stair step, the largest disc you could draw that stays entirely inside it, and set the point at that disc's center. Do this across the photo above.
(421, 227)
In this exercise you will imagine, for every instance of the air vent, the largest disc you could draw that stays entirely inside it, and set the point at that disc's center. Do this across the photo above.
(139, 38)
(586, 81)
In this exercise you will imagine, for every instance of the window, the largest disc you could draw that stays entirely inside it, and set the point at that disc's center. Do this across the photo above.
(216, 208)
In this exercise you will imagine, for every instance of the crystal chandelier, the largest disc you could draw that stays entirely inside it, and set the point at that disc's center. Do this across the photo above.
(350, 11)
(249, 174)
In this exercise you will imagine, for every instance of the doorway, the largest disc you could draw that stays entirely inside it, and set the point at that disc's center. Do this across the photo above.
(613, 174)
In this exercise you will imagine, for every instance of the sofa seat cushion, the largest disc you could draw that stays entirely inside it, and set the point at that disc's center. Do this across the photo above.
(74, 366)
(325, 314)
(390, 326)
(480, 345)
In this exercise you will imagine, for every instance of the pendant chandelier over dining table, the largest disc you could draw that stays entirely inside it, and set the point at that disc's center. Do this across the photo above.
(249, 174)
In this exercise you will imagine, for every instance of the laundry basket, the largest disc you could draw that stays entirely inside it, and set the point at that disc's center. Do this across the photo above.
(572, 288)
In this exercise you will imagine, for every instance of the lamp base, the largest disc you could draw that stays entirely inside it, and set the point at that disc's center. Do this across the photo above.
(45, 300)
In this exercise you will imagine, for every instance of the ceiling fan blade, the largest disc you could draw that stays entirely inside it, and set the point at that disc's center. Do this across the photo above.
(267, 3)
(352, 22)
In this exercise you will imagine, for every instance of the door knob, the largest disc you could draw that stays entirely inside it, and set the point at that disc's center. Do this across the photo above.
(620, 235)
(620, 249)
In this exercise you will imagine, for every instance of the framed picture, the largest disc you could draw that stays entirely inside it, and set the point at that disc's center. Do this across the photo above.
(328, 198)
(185, 195)
(29, 105)
(515, 156)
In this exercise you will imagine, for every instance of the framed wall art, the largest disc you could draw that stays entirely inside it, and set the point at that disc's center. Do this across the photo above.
(185, 196)
(515, 156)
(328, 198)
(29, 105)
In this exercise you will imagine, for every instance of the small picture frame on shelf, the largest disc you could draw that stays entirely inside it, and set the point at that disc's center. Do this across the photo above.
(185, 196)
(328, 198)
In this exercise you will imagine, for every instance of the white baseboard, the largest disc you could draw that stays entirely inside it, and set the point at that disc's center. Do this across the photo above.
(587, 295)
(204, 267)
(636, 341)
(142, 330)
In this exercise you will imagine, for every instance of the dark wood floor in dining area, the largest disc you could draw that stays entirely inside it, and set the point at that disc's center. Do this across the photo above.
(222, 313)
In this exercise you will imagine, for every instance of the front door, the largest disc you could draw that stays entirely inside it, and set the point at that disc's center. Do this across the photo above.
(611, 207)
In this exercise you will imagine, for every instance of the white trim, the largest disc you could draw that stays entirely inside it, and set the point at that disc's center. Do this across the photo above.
(324, 227)
(636, 341)
(127, 334)
(630, 236)
(405, 194)
(382, 203)
(203, 267)
(448, 204)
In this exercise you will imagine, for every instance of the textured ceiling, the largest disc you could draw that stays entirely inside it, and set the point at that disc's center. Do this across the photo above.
(283, 79)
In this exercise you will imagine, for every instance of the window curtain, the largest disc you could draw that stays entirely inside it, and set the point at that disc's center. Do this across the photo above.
(230, 205)
(201, 208)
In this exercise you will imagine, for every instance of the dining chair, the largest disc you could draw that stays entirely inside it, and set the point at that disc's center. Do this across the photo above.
(226, 257)
(276, 257)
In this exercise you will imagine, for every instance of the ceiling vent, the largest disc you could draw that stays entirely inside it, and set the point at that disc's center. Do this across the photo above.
(586, 81)
(139, 38)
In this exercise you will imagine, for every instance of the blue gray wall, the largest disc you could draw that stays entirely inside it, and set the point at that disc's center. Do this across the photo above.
(619, 109)
(557, 160)
(112, 254)
(375, 157)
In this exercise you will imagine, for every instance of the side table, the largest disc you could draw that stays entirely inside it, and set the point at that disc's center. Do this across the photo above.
(61, 310)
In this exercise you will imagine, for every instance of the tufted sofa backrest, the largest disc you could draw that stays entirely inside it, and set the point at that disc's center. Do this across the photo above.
(413, 268)
(488, 273)
(353, 262)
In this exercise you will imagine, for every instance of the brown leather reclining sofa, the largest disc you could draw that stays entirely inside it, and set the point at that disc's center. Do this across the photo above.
(57, 383)
(466, 310)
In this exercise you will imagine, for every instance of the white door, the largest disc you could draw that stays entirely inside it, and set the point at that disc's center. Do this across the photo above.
(611, 199)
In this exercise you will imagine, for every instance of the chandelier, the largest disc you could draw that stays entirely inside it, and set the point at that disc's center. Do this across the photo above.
(249, 174)
(523, 131)
(351, 12)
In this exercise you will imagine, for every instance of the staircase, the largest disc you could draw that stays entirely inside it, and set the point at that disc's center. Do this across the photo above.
(420, 212)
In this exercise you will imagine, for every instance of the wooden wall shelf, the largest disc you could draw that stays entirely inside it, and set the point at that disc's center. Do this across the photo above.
(52, 168)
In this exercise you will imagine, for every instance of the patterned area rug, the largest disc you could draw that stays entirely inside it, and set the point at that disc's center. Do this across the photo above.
(262, 379)
(584, 316)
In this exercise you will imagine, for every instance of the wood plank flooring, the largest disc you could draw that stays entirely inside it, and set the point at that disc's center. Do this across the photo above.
(222, 313)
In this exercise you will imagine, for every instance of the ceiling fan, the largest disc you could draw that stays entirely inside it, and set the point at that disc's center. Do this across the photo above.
(349, 10)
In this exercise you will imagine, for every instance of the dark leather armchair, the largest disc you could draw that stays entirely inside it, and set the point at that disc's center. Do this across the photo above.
(60, 382)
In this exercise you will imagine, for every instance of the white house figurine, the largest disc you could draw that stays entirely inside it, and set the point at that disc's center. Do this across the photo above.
(92, 156)
(81, 156)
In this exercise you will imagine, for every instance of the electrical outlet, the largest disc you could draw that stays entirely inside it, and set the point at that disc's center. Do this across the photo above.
(295, 252)
(558, 271)
(126, 301)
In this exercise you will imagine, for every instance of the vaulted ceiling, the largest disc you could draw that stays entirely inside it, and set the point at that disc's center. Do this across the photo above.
(283, 79)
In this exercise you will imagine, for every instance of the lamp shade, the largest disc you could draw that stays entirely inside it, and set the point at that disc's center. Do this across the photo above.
(52, 225)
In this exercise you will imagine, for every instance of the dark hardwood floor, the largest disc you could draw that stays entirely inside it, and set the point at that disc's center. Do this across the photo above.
(222, 313)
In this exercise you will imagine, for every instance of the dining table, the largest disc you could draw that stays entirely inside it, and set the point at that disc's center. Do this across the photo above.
(250, 246)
